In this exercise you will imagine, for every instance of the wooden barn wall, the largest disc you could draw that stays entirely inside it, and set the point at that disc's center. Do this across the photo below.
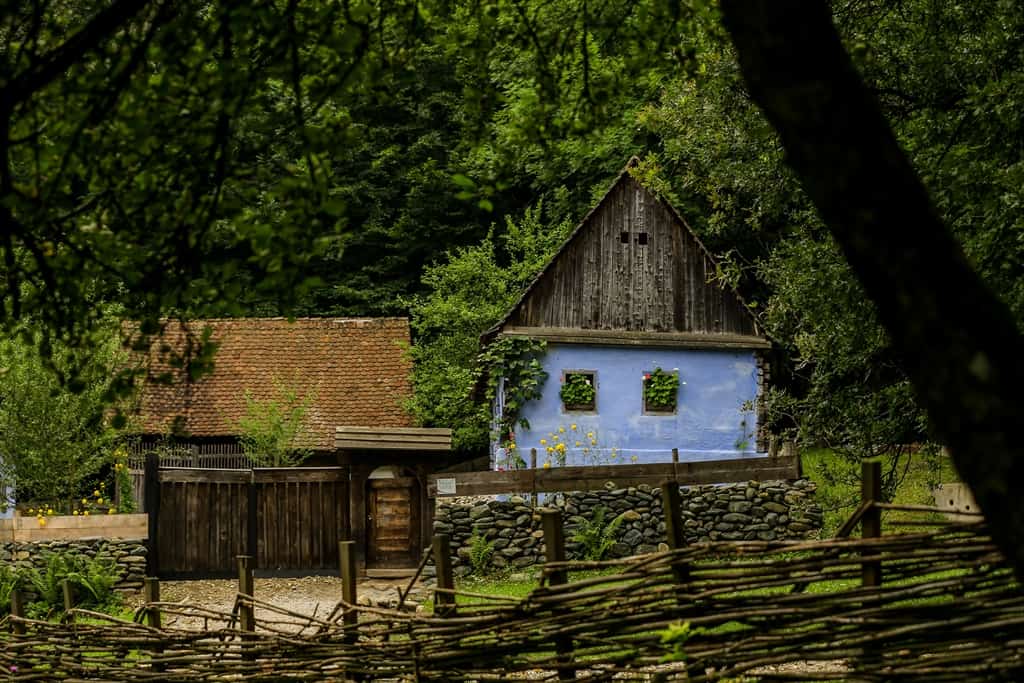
(599, 283)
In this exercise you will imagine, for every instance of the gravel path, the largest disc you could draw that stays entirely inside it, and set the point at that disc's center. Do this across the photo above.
(311, 595)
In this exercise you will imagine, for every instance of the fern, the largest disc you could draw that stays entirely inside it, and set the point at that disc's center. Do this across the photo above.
(480, 553)
(596, 536)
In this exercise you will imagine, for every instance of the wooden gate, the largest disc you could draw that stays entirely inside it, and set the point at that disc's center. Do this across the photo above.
(392, 525)
(290, 520)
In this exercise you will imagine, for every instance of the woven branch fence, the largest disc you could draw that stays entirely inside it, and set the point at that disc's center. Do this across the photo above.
(948, 609)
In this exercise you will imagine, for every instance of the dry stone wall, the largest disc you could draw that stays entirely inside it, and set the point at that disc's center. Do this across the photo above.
(129, 555)
(744, 511)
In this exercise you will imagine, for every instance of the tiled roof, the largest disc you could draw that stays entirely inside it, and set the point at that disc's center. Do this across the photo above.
(355, 369)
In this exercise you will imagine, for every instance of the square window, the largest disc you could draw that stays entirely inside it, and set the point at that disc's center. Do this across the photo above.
(660, 392)
(641, 238)
(579, 390)
(624, 237)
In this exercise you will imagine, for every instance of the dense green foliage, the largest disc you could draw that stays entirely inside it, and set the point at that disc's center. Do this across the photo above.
(334, 158)
(468, 293)
(55, 441)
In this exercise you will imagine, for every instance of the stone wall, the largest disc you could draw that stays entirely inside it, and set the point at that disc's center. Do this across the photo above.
(130, 555)
(746, 511)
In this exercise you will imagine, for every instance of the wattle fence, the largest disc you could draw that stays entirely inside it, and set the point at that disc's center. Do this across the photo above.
(941, 605)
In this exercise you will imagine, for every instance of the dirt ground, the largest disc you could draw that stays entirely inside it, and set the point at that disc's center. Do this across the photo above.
(312, 595)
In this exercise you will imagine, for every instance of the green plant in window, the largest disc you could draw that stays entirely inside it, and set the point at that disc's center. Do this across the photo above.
(578, 390)
(660, 389)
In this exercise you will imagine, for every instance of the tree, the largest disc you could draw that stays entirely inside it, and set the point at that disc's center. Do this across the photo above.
(53, 441)
(272, 432)
(955, 339)
(467, 294)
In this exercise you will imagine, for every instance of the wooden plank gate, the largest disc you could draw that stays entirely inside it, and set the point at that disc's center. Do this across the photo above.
(289, 519)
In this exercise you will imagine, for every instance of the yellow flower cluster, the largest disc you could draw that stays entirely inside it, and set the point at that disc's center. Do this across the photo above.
(41, 514)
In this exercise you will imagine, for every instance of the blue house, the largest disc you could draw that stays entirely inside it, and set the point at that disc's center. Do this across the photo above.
(644, 351)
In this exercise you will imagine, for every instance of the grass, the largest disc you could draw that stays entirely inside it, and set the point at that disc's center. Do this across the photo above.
(838, 482)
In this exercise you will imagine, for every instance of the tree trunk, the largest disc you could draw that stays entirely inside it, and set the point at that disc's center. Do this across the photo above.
(959, 344)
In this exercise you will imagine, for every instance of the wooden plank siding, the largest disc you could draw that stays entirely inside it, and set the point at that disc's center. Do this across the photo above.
(300, 515)
(560, 479)
(599, 282)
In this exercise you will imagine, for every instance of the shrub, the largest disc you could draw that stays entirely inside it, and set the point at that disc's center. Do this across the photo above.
(596, 536)
(480, 553)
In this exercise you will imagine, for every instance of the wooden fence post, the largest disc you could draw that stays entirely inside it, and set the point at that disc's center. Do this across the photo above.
(251, 522)
(444, 601)
(533, 479)
(675, 466)
(68, 591)
(554, 551)
(347, 558)
(18, 611)
(871, 522)
(247, 611)
(672, 506)
(151, 504)
(151, 594)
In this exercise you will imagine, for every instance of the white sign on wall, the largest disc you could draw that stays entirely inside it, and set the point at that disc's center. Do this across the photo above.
(446, 487)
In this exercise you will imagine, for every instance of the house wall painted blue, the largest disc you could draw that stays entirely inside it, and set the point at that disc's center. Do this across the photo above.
(714, 417)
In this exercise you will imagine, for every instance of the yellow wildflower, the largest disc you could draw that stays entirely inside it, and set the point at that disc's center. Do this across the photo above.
(85, 501)
(96, 493)
(560, 448)
(634, 458)
(49, 511)
(86, 513)
(590, 435)
(550, 449)
(543, 441)
(42, 521)
(75, 513)
(573, 427)
(593, 442)
(561, 430)
(578, 444)
(31, 511)
(110, 511)
(547, 465)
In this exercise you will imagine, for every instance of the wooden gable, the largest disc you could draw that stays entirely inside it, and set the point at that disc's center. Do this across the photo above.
(633, 269)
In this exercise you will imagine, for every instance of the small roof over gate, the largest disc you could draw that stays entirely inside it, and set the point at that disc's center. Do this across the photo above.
(393, 438)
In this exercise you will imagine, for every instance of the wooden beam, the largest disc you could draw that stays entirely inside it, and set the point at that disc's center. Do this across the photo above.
(364, 444)
(680, 340)
(594, 478)
(188, 475)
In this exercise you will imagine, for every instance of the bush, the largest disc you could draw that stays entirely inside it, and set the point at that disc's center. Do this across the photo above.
(596, 536)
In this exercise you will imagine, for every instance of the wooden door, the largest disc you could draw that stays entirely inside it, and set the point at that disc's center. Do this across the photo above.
(392, 525)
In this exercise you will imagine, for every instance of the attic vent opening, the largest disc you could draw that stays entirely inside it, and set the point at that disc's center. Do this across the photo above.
(641, 238)
(624, 237)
